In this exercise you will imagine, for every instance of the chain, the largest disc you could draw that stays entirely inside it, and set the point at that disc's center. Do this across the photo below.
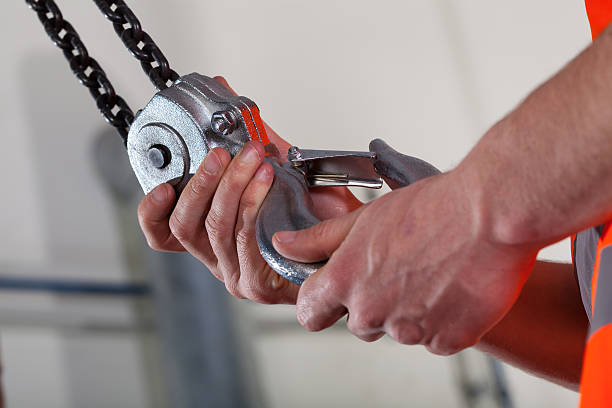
(113, 107)
(138, 42)
(127, 26)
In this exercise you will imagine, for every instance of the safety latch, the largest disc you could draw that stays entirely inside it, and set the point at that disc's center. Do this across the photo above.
(335, 167)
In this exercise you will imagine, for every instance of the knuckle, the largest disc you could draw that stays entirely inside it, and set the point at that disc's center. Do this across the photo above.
(338, 284)
(372, 337)
(180, 229)
(406, 332)
(223, 155)
(309, 325)
(363, 323)
(308, 322)
(232, 287)
(214, 270)
(416, 311)
(445, 345)
(277, 283)
(197, 184)
(249, 201)
(231, 184)
(142, 215)
(243, 238)
(258, 294)
(321, 230)
(369, 337)
(154, 243)
(264, 287)
(215, 227)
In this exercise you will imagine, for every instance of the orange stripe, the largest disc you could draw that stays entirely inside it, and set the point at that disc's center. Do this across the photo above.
(600, 15)
(263, 136)
(596, 382)
(246, 114)
(256, 128)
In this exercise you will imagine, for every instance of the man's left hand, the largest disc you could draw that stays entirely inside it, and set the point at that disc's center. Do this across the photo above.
(417, 264)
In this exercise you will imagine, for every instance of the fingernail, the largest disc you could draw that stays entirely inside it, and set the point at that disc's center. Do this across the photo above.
(211, 164)
(249, 154)
(285, 236)
(262, 174)
(160, 194)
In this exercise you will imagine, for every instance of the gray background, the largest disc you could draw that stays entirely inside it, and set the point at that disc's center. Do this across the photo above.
(429, 76)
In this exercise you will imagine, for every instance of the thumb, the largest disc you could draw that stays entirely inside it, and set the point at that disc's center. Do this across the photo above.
(316, 243)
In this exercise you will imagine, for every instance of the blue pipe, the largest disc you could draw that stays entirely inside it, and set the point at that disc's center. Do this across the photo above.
(73, 286)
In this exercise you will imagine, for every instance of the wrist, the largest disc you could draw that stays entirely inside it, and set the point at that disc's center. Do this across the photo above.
(489, 178)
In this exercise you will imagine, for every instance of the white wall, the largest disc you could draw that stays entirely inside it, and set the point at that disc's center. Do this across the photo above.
(429, 76)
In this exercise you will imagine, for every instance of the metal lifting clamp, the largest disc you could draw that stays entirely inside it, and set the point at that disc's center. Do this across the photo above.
(170, 137)
(191, 115)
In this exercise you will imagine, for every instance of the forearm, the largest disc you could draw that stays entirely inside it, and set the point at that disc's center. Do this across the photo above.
(544, 171)
(544, 332)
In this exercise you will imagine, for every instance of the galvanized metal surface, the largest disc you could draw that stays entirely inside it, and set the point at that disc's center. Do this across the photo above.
(288, 205)
(171, 136)
(180, 118)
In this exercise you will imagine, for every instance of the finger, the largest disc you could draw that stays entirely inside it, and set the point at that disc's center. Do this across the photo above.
(248, 252)
(223, 82)
(187, 220)
(332, 202)
(365, 323)
(405, 331)
(316, 243)
(222, 217)
(365, 335)
(153, 216)
(281, 144)
(257, 281)
(369, 336)
(320, 300)
(250, 202)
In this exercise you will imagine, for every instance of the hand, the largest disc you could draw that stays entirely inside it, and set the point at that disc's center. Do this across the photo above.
(214, 219)
(416, 264)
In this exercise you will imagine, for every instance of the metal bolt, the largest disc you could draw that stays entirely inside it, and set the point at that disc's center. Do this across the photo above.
(159, 156)
(294, 153)
(223, 122)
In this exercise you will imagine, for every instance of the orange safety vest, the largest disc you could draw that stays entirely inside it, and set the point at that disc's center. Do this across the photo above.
(596, 381)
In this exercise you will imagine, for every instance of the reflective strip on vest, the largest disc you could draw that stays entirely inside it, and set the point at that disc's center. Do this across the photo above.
(596, 385)
(596, 382)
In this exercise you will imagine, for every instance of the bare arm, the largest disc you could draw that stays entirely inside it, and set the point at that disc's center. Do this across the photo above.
(441, 262)
(544, 171)
(545, 331)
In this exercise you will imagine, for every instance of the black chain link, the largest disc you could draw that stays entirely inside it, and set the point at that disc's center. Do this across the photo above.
(113, 107)
(141, 45)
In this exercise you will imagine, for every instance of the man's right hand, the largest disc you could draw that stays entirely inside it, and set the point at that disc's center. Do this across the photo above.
(214, 219)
